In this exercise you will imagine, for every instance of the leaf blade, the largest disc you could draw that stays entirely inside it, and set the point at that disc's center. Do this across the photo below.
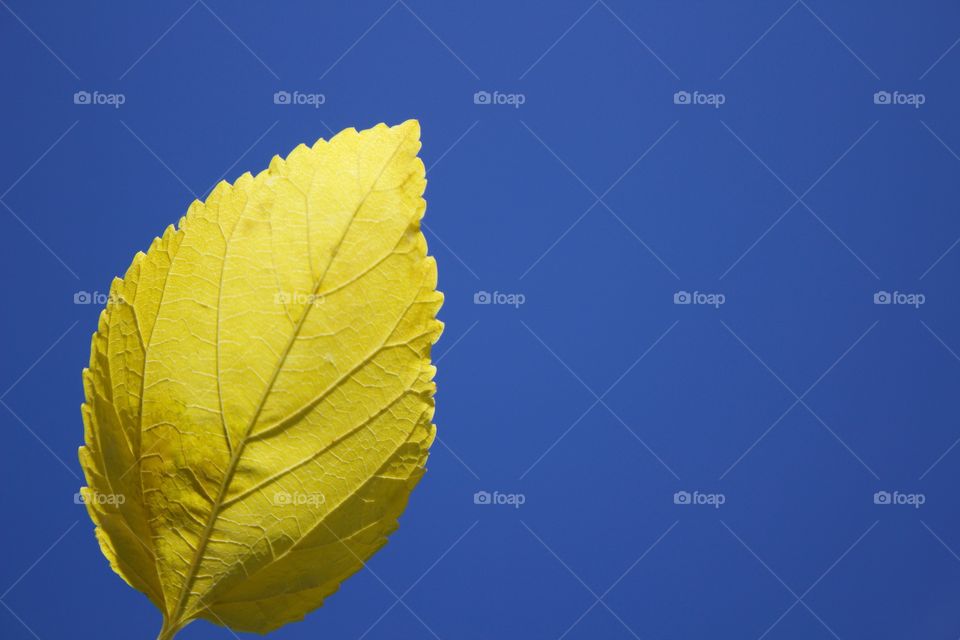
(289, 356)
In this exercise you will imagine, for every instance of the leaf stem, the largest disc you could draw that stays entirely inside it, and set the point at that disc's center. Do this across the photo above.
(169, 630)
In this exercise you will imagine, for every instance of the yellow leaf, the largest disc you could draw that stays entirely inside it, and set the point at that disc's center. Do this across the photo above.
(260, 394)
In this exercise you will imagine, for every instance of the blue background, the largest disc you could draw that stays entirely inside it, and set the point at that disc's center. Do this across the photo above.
(598, 398)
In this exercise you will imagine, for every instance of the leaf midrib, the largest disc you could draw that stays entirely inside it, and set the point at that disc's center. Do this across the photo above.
(216, 507)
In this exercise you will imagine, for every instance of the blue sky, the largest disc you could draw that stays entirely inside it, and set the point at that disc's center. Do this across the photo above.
(700, 363)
